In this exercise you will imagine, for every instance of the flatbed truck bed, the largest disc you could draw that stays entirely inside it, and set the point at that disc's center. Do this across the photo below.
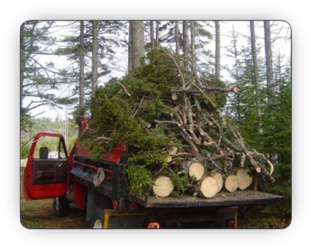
(222, 199)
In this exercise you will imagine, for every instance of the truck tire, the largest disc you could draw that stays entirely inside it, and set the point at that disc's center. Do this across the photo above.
(97, 220)
(60, 206)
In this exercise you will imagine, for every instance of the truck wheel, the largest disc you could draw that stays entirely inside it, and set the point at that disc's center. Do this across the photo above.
(60, 206)
(97, 220)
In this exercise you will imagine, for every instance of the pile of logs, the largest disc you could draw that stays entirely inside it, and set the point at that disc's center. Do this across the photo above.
(211, 152)
(214, 154)
(206, 186)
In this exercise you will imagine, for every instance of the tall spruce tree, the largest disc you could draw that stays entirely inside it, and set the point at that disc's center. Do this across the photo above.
(256, 75)
(95, 33)
(81, 70)
(218, 48)
(269, 60)
(38, 78)
(136, 42)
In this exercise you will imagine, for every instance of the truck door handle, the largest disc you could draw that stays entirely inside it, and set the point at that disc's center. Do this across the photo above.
(60, 165)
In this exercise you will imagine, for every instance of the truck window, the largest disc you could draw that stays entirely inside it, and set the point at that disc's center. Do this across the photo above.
(49, 148)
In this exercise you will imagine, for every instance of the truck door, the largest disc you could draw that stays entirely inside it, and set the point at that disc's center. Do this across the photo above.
(45, 175)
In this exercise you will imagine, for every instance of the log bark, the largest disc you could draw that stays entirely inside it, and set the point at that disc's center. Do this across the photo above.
(219, 179)
(162, 186)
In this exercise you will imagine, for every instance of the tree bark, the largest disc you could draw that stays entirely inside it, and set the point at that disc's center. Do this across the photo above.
(130, 48)
(95, 31)
(217, 52)
(152, 34)
(219, 179)
(268, 60)
(185, 45)
(177, 37)
(137, 43)
(22, 65)
(256, 74)
(81, 69)
(157, 34)
(193, 51)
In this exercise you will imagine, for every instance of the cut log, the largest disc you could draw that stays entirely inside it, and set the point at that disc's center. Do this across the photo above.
(162, 186)
(173, 151)
(169, 159)
(174, 96)
(219, 179)
(244, 180)
(194, 170)
(231, 183)
(208, 187)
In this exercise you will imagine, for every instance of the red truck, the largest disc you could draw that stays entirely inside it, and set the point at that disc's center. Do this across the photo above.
(69, 178)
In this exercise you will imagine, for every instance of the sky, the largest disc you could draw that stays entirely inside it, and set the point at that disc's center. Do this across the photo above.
(280, 30)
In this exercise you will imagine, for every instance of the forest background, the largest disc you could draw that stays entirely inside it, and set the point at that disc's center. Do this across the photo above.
(296, 14)
(64, 62)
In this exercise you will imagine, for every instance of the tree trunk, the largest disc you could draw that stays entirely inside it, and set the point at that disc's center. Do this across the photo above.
(152, 34)
(177, 37)
(22, 65)
(137, 43)
(81, 69)
(269, 64)
(193, 48)
(162, 186)
(217, 53)
(256, 74)
(185, 45)
(95, 31)
(130, 48)
(157, 34)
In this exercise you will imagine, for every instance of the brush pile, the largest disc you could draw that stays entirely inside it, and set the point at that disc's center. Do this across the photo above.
(179, 140)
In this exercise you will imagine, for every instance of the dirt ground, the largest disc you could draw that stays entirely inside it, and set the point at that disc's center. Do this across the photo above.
(39, 214)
